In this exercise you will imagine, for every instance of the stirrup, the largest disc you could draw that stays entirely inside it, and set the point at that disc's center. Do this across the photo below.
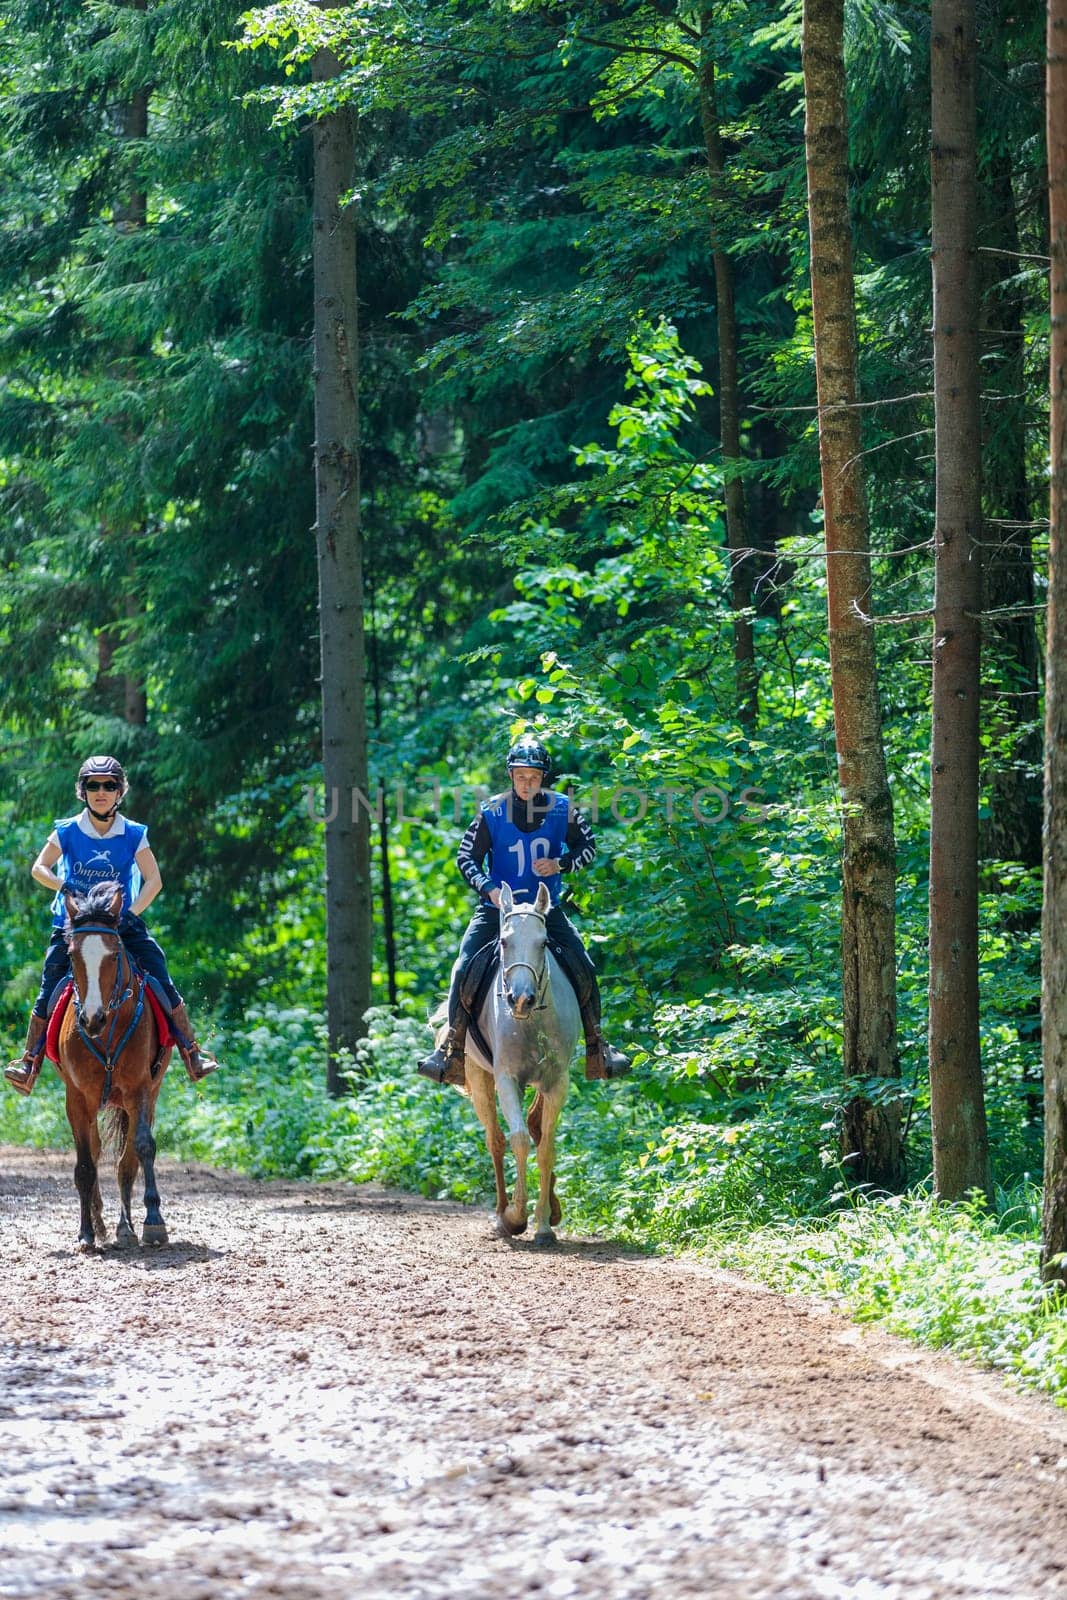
(434, 1067)
(603, 1061)
(445, 1064)
(22, 1075)
(198, 1065)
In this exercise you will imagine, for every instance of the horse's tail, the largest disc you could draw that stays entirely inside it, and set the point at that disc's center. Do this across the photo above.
(116, 1127)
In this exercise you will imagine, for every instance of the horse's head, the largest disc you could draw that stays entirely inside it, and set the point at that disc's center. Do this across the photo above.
(522, 949)
(95, 950)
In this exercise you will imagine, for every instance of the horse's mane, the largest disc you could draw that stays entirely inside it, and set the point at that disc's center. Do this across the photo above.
(94, 906)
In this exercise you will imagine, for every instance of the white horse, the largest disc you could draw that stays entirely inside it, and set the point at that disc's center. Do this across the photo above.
(531, 1023)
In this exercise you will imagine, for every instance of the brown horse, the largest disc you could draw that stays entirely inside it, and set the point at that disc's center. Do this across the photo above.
(110, 1061)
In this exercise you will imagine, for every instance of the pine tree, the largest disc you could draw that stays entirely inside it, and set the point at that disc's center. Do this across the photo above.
(957, 1107)
(1054, 917)
(871, 1135)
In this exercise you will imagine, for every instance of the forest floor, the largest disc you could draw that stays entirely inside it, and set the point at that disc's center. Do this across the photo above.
(325, 1390)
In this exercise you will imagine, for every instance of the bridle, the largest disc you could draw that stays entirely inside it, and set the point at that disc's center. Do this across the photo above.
(128, 982)
(540, 977)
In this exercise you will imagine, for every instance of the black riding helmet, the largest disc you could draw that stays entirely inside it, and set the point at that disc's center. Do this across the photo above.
(102, 767)
(530, 752)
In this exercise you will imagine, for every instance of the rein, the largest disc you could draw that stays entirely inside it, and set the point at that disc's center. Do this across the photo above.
(126, 981)
(540, 977)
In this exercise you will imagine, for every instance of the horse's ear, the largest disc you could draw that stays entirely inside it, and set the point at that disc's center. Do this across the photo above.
(544, 899)
(507, 899)
(71, 903)
(114, 910)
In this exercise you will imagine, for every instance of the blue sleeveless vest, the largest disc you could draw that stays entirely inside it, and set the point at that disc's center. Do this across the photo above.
(89, 859)
(515, 852)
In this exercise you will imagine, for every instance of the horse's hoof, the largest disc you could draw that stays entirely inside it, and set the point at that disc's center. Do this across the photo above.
(514, 1228)
(125, 1237)
(505, 1229)
(85, 1247)
(154, 1233)
(544, 1239)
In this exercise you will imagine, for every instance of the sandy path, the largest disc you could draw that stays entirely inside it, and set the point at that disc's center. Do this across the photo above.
(325, 1391)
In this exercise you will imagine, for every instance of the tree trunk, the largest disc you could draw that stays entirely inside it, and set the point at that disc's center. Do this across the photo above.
(957, 1107)
(127, 698)
(871, 1136)
(1012, 830)
(1054, 918)
(385, 861)
(340, 565)
(741, 577)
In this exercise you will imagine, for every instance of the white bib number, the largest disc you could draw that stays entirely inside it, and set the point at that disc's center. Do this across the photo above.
(539, 849)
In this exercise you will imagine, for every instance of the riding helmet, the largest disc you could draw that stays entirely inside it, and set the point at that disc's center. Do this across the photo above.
(530, 752)
(101, 767)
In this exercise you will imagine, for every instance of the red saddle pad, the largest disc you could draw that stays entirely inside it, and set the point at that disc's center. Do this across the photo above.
(55, 1021)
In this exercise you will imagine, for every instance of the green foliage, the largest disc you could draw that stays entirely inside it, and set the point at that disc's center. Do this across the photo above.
(951, 1277)
(544, 539)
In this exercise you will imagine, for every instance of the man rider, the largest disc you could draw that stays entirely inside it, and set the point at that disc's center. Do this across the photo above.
(529, 836)
(101, 845)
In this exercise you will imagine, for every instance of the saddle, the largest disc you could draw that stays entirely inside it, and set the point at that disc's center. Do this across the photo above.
(62, 999)
(481, 974)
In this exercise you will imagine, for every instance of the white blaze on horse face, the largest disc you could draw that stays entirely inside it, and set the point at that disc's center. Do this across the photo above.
(93, 953)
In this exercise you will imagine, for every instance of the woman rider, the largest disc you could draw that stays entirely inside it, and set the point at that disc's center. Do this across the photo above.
(523, 838)
(98, 846)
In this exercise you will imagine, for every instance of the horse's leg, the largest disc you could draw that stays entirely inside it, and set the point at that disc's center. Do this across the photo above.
(547, 1211)
(82, 1122)
(521, 1143)
(534, 1117)
(125, 1172)
(483, 1095)
(155, 1229)
(535, 1123)
(96, 1204)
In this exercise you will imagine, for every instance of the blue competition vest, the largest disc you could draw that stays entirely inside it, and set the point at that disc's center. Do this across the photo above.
(89, 859)
(515, 852)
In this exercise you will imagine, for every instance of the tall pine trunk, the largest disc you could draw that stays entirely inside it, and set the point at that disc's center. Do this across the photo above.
(1054, 917)
(871, 1134)
(126, 696)
(746, 674)
(340, 566)
(957, 1107)
(1012, 829)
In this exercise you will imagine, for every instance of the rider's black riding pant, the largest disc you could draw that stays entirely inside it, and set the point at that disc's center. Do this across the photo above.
(140, 945)
(484, 928)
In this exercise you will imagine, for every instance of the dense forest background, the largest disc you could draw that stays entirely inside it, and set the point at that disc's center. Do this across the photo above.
(541, 216)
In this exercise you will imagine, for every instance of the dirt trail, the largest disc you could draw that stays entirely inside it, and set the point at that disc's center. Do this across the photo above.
(326, 1391)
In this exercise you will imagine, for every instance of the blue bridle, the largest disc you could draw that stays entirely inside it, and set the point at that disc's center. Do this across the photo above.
(125, 980)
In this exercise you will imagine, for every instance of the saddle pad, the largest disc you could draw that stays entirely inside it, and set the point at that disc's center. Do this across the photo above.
(55, 1021)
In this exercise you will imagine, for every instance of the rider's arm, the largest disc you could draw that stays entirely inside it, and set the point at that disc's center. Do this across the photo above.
(41, 871)
(580, 844)
(579, 849)
(474, 847)
(148, 867)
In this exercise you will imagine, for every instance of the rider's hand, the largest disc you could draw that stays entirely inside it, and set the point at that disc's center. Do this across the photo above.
(546, 869)
(494, 897)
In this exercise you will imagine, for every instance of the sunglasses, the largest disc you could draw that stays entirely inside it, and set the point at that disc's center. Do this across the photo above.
(95, 786)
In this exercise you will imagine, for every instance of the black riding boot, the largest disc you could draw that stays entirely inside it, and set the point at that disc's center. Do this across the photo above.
(445, 1064)
(602, 1060)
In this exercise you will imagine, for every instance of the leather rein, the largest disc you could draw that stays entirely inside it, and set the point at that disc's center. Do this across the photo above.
(128, 982)
(540, 977)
